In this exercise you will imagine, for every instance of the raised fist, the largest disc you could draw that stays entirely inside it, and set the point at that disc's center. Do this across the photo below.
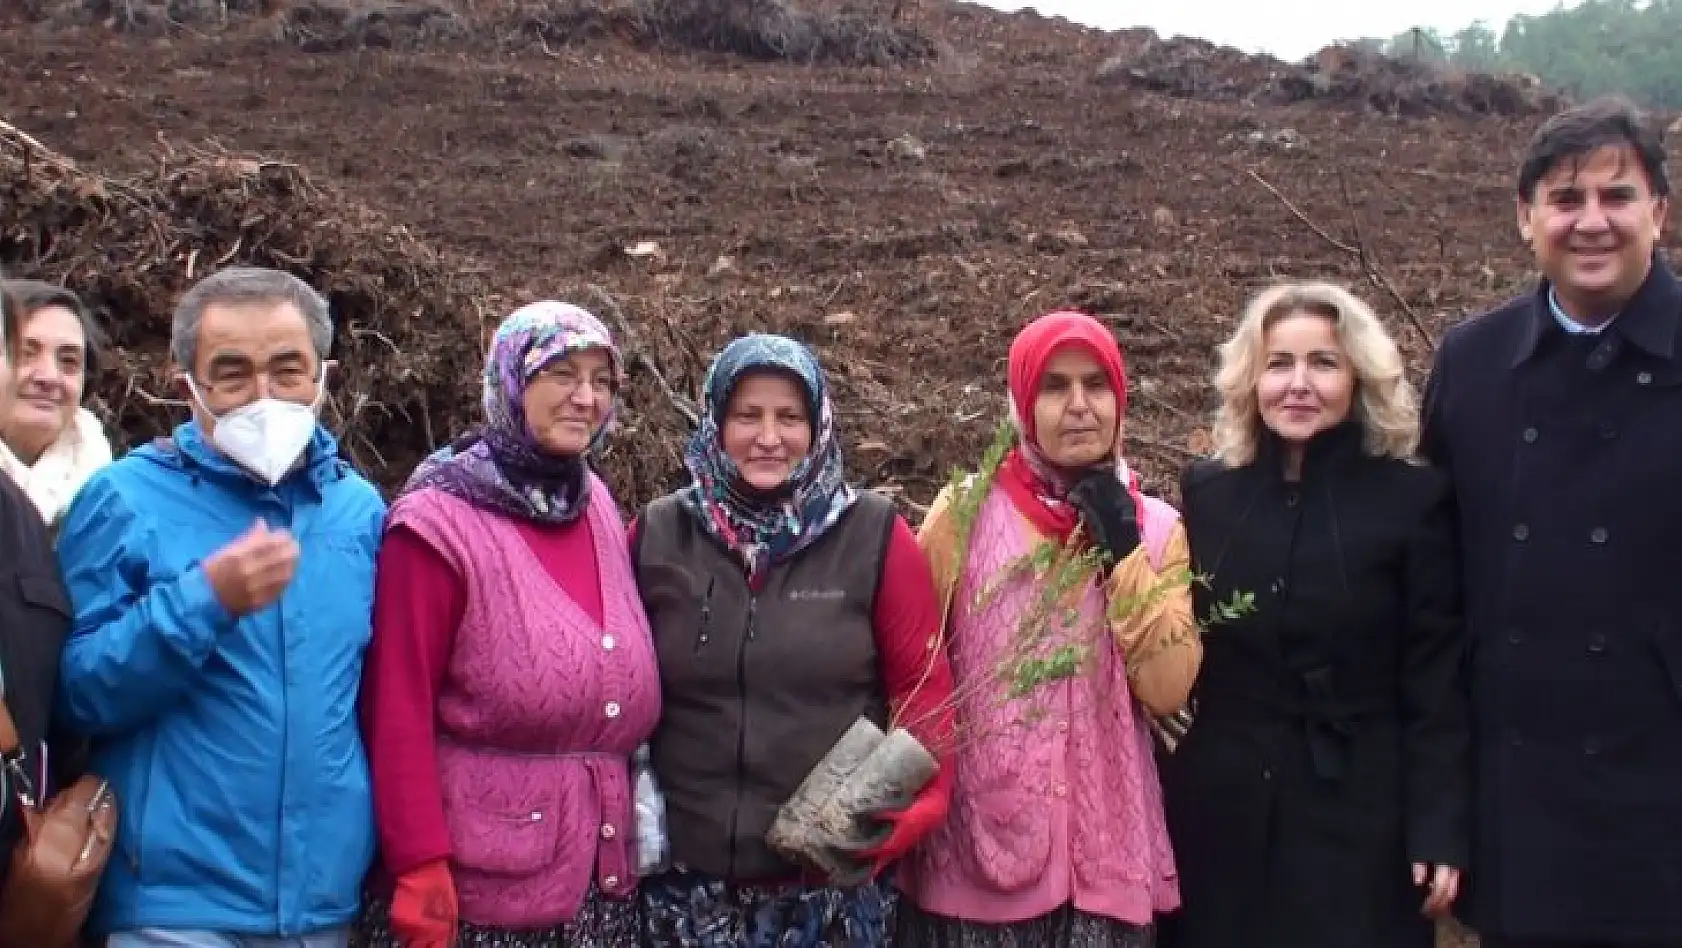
(251, 572)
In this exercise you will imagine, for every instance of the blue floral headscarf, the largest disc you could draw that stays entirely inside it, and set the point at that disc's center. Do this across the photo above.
(501, 466)
(764, 529)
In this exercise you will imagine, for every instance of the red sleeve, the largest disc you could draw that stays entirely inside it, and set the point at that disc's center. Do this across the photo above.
(418, 604)
(908, 639)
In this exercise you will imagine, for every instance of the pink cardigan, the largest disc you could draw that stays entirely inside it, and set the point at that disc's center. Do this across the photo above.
(1056, 796)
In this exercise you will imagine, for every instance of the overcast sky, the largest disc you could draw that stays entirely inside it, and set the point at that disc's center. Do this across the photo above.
(1289, 29)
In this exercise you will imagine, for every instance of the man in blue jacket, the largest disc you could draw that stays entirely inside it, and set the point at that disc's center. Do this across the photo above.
(222, 581)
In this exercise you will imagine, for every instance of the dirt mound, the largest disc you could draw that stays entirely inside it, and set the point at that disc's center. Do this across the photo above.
(1188, 68)
(1399, 87)
(407, 323)
(770, 30)
(326, 25)
(1193, 68)
(766, 30)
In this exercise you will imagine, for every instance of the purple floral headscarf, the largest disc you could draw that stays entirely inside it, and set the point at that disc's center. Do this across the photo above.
(501, 466)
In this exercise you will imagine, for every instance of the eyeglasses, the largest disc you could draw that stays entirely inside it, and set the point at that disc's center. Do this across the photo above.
(246, 383)
(568, 379)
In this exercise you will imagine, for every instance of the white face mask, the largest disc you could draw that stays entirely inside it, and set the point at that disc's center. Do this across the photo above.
(266, 437)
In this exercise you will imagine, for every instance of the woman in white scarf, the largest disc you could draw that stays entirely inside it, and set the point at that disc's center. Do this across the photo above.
(50, 444)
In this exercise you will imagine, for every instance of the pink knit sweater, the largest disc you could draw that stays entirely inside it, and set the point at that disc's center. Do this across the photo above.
(1056, 798)
(538, 716)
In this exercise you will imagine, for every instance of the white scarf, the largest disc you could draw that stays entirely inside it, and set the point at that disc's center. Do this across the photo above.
(53, 480)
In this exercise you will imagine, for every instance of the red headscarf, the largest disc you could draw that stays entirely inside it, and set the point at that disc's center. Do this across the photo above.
(1035, 487)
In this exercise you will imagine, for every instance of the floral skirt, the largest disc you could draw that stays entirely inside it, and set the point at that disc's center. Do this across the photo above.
(1067, 927)
(689, 910)
(601, 923)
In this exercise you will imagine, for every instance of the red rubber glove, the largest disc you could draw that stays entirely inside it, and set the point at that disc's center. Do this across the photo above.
(926, 812)
(423, 907)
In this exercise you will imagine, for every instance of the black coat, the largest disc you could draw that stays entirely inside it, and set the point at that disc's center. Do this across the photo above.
(34, 621)
(1566, 458)
(1331, 744)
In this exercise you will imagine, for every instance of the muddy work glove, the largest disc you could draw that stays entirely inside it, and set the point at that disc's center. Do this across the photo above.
(909, 826)
(1109, 513)
(898, 827)
(423, 908)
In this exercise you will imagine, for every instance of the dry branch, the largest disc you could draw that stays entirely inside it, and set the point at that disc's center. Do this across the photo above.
(640, 355)
(1168, 406)
(1358, 250)
(30, 149)
(1301, 216)
(1373, 271)
(1163, 446)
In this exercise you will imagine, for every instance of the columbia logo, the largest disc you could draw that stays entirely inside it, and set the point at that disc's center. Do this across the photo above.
(800, 594)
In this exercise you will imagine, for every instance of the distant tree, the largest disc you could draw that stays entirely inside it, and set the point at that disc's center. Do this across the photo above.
(1476, 48)
(1420, 44)
(1633, 47)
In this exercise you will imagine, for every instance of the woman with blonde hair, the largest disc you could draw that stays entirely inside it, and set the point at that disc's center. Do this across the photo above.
(1320, 797)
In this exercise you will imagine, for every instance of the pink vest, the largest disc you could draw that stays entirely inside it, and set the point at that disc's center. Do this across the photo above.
(538, 716)
(1056, 797)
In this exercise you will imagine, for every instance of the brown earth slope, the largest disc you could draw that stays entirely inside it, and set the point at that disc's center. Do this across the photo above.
(905, 219)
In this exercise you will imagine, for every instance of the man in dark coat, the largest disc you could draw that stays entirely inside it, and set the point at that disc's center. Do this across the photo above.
(1558, 417)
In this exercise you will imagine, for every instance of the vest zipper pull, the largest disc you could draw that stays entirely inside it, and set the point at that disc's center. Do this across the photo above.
(706, 617)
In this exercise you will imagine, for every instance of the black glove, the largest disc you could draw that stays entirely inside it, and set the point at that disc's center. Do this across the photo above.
(1107, 509)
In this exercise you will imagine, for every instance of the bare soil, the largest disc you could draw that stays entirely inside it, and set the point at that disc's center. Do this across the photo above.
(904, 219)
